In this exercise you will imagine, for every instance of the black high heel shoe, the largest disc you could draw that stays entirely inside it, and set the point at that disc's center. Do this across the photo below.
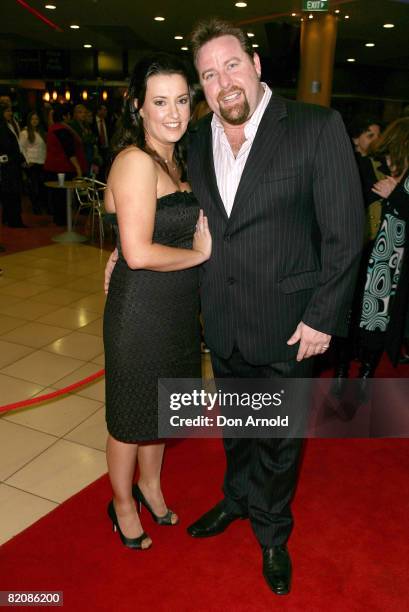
(166, 519)
(135, 543)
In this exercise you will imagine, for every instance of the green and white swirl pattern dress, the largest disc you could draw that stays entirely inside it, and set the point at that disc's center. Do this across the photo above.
(383, 272)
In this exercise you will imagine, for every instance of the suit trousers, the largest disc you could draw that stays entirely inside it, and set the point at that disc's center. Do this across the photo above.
(261, 473)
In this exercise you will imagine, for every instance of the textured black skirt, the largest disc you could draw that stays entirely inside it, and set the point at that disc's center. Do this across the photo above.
(151, 329)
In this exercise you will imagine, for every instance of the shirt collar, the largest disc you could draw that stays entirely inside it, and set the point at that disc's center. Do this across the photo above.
(254, 121)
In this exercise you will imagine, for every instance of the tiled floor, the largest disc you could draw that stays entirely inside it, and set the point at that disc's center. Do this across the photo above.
(51, 304)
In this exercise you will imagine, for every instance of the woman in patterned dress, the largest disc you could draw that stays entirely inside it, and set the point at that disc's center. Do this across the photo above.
(385, 297)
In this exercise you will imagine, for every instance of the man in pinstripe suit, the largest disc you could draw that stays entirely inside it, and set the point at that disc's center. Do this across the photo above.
(279, 184)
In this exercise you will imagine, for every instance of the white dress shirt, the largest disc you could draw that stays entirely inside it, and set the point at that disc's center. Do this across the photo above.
(227, 167)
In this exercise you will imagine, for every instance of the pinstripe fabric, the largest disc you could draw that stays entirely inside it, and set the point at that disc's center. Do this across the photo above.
(261, 474)
(290, 249)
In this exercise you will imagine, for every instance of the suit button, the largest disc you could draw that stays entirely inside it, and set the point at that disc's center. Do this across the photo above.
(231, 280)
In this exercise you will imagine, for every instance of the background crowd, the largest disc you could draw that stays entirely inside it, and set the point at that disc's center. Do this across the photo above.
(76, 140)
(73, 140)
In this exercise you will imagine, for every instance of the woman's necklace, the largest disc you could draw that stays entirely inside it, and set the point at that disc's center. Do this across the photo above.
(168, 162)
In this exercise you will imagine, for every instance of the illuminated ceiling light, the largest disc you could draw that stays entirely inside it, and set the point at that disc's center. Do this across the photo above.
(241, 4)
(337, 11)
(255, 46)
(310, 16)
(346, 17)
(388, 25)
(184, 48)
(159, 18)
(178, 37)
(74, 26)
(87, 46)
(250, 34)
(50, 7)
(84, 95)
(293, 14)
(54, 95)
(105, 95)
(351, 59)
(46, 96)
(369, 44)
(68, 95)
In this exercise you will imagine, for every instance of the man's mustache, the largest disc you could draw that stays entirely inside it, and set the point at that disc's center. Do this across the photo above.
(228, 92)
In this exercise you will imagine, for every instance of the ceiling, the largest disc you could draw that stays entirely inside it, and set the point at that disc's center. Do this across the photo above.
(128, 24)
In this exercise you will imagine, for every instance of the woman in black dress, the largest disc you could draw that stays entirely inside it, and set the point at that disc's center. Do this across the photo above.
(151, 326)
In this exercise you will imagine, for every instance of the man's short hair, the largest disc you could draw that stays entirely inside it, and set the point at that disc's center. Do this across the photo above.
(60, 111)
(210, 29)
(361, 123)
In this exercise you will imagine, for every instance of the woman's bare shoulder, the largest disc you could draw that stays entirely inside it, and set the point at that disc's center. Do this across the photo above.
(133, 170)
(134, 162)
(134, 154)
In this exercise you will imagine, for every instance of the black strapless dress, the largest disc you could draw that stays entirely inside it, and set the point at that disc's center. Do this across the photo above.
(151, 326)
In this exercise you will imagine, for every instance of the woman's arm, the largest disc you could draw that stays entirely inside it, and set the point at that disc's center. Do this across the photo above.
(66, 138)
(133, 183)
(76, 165)
(23, 139)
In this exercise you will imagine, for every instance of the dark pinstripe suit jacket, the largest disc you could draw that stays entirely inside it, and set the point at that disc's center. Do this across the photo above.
(290, 249)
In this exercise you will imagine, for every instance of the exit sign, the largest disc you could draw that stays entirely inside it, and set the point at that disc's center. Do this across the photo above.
(315, 5)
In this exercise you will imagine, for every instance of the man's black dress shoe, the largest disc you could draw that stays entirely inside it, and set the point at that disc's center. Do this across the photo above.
(213, 522)
(277, 569)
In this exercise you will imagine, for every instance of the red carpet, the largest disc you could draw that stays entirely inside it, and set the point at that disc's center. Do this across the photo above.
(350, 546)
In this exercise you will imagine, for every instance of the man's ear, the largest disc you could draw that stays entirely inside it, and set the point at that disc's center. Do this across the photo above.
(257, 64)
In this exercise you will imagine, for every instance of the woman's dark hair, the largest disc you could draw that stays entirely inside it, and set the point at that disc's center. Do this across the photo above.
(30, 130)
(131, 130)
(394, 142)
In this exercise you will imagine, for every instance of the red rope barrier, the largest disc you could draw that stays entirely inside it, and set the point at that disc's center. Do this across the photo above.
(48, 396)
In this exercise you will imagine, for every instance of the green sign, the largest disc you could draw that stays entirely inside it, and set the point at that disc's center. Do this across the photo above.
(315, 5)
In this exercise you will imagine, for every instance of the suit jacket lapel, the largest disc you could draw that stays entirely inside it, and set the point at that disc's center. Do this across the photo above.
(270, 131)
(206, 156)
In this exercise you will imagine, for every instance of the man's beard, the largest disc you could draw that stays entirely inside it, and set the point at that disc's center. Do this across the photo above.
(237, 114)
